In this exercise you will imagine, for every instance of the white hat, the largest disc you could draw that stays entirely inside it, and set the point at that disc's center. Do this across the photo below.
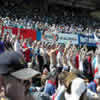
(25, 74)
(77, 88)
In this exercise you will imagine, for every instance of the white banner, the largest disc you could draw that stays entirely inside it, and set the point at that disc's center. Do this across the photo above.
(60, 37)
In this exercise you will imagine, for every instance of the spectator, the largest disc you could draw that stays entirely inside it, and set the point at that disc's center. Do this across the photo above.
(2, 47)
(50, 86)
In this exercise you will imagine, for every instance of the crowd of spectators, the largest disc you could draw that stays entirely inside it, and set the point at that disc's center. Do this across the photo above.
(83, 25)
(67, 72)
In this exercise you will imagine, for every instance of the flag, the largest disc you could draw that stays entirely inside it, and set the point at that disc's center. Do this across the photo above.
(97, 40)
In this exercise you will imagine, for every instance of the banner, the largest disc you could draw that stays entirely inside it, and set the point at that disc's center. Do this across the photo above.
(88, 40)
(60, 38)
(26, 33)
(38, 35)
(77, 39)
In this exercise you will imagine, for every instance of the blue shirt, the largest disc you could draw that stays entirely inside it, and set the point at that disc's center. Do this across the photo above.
(31, 52)
(37, 51)
(31, 89)
(49, 89)
(92, 86)
(1, 47)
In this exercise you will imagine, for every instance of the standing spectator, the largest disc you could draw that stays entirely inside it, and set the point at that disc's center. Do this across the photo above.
(39, 58)
(1, 46)
(8, 42)
(26, 51)
(17, 46)
(77, 60)
(60, 60)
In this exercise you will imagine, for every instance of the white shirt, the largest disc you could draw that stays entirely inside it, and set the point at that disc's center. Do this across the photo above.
(59, 59)
(77, 88)
(43, 53)
(97, 41)
(80, 64)
(17, 47)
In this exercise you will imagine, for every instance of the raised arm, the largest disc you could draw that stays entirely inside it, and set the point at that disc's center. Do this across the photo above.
(95, 37)
(54, 50)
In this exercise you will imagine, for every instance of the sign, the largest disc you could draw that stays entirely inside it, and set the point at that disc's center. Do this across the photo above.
(63, 38)
(49, 37)
(26, 33)
(89, 40)
(38, 35)
(60, 38)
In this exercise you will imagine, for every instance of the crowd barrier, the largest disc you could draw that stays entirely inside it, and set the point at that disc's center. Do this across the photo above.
(77, 39)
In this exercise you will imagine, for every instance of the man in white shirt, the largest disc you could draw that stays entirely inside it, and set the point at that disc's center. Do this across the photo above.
(17, 46)
(60, 60)
(43, 53)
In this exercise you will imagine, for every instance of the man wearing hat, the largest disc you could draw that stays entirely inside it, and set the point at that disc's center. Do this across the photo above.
(9, 62)
(19, 84)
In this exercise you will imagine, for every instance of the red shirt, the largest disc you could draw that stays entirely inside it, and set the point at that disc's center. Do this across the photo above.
(77, 61)
(56, 52)
(95, 71)
(27, 53)
(53, 83)
(89, 59)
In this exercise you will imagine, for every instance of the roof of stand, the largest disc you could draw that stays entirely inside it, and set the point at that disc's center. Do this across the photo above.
(90, 4)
